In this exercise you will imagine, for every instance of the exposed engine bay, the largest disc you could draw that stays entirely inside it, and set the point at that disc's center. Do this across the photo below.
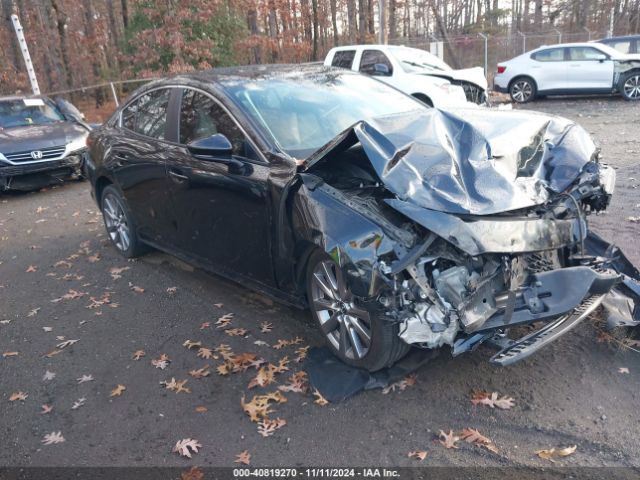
(460, 278)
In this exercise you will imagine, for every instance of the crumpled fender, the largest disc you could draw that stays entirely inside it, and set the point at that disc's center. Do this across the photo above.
(354, 241)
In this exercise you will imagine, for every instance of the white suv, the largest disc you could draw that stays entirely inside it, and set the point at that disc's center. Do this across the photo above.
(569, 69)
(415, 72)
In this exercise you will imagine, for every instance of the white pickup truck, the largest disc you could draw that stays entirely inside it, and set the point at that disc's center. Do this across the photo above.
(415, 72)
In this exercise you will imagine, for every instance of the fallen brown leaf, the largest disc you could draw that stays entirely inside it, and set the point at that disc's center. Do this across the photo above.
(243, 457)
(9, 354)
(194, 473)
(556, 453)
(419, 454)
(116, 392)
(472, 435)
(138, 354)
(186, 447)
(236, 332)
(204, 352)
(201, 409)
(297, 383)
(493, 400)
(266, 327)
(191, 344)
(449, 439)
(52, 438)
(22, 396)
(46, 409)
(31, 269)
(200, 372)
(267, 427)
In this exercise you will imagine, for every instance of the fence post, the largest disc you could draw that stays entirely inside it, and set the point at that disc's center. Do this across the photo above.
(25, 54)
(559, 35)
(588, 32)
(524, 41)
(486, 53)
(113, 91)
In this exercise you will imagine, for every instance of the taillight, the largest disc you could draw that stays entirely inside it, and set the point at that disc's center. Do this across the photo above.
(501, 68)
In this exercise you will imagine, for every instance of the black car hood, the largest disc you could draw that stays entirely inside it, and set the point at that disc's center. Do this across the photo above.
(474, 161)
(37, 137)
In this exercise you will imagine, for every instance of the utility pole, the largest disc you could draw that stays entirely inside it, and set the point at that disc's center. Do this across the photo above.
(610, 32)
(486, 53)
(25, 54)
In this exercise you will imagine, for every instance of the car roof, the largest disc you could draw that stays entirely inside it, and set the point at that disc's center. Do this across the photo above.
(615, 39)
(563, 45)
(227, 76)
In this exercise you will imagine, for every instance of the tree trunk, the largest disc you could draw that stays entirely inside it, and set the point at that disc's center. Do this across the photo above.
(351, 14)
(334, 22)
(314, 10)
(362, 21)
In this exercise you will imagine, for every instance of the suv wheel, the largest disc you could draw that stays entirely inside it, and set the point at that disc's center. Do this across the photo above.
(630, 86)
(358, 337)
(522, 90)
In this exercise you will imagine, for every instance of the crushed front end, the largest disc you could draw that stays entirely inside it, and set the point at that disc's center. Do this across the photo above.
(489, 253)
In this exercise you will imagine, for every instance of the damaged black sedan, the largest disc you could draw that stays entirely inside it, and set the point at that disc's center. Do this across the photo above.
(396, 225)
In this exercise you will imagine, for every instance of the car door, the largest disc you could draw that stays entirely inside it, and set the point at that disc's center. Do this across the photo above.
(137, 157)
(222, 213)
(549, 69)
(589, 69)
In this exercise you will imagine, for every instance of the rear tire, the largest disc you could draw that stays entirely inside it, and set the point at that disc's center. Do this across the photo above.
(119, 223)
(630, 86)
(355, 335)
(522, 90)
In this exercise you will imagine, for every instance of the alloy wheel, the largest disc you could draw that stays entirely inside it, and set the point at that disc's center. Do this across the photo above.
(631, 87)
(346, 325)
(116, 222)
(521, 91)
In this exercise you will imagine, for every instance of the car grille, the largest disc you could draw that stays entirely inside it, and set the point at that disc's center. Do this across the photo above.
(49, 153)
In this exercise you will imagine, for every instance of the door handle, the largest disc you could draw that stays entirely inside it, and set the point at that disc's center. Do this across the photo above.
(177, 177)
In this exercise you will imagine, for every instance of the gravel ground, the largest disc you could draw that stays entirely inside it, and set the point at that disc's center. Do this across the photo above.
(571, 393)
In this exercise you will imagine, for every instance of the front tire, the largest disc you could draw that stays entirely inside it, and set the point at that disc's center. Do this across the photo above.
(630, 86)
(355, 335)
(119, 223)
(522, 90)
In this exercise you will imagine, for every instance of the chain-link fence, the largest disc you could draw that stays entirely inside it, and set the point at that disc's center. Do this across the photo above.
(487, 51)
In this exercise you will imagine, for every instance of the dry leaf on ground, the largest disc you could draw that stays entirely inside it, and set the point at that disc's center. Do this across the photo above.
(85, 378)
(236, 332)
(419, 454)
(46, 409)
(200, 372)
(52, 438)
(472, 435)
(266, 327)
(116, 392)
(623, 370)
(267, 427)
(138, 354)
(22, 396)
(186, 447)
(243, 457)
(9, 354)
(556, 453)
(493, 400)
(191, 344)
(408, 381)
(297, 383)
(449, 439)
(194, 473)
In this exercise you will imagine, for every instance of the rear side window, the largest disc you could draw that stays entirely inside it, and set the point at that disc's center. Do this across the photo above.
(369, 60)
(584, 54)
(549, 55)
(343, 59)
(148, 114)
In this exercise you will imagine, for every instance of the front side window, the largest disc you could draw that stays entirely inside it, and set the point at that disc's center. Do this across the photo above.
(343, 59)
(369, 60)
(550, 55)
(201, 117)
(584, 53)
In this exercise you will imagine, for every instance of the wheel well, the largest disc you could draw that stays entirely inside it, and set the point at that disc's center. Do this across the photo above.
(423, 98)
(521, 77)
(101, 184)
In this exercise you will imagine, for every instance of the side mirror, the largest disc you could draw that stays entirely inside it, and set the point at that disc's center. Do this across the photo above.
(601, 58)
(69, 111)
(382, 70)
(214, 146)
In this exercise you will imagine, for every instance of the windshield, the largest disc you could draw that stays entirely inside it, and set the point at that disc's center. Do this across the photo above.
(418, 61)
(28, 111)
(304, 112)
